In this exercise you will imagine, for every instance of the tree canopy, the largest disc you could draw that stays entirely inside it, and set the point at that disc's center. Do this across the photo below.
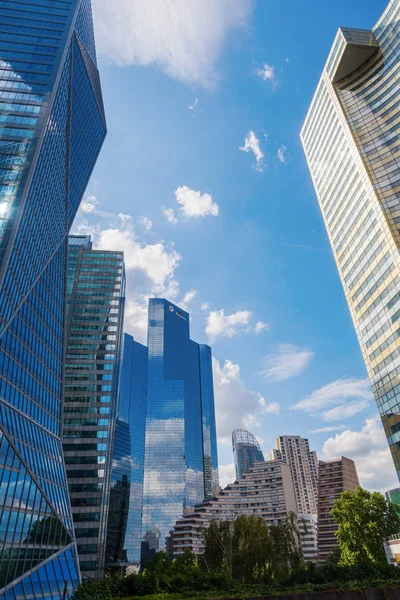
(365, 520)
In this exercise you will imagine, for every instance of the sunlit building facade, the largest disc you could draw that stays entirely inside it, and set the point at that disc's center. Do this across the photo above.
(52, 126)
(181, 465)
(351, 138)
(246, 451)
(95, 300)
(124, 529)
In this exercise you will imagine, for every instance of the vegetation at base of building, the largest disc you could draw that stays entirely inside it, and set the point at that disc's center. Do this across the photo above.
(365, 520)
(246, 558)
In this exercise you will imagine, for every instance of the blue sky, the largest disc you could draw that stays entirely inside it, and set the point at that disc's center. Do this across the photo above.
(203, 183)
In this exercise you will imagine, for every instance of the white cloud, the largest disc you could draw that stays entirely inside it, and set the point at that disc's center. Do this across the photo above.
(288, 361)
(150, 268)
(227, 474)
(252, 144)
(260, 326)
(235, 405)
(220, 325)
(337, 393)
(287, 60)
(185, 38)
(147, 224)
(369, 449)
(193, 106)
(169, 214)
(89, 203)
(329, 429)
(194, 204)
(267, 73)
(205, 306)
(283, 155)
(188, 297)
(268, 407)
(341, 412)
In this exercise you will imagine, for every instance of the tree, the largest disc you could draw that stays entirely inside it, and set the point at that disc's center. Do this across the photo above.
(365, 520)
(251, 551)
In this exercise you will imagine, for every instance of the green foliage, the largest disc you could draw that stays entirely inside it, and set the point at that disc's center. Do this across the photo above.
(365, 520)
(250, 551)
(108, 588)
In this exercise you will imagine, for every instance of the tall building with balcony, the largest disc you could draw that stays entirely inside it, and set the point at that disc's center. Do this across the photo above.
(95, 299)
(352, 144)
(124, 528)
(181, 465)
(334, 477)
(52, 126)
(246, 451)
(266, 491)
(303, 463)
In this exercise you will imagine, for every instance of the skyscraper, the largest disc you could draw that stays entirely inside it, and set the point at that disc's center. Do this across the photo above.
(351, 140)
(334, 477)
(181, 465)
(95, 298)
(246, 451)
(303, 463)
(124, 530)
(52, 126)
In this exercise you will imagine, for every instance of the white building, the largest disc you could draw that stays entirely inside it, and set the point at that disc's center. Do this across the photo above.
(266, 491)
(392, 550)
(308, 535)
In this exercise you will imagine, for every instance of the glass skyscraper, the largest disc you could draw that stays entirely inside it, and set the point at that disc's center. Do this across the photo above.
(124, 529)
(181, 465)
(52, 126)
(351, 137)
(246, 451)
(95, 299)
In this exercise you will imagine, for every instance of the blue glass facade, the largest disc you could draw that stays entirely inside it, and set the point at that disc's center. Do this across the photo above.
(52, 127)
(180, 446)
(126, 492)
(95, 300)
(246, 451)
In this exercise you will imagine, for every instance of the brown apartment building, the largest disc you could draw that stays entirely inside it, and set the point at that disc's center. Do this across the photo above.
(334, 477)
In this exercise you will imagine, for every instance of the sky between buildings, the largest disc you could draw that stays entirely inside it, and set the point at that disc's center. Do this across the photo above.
(203, 183)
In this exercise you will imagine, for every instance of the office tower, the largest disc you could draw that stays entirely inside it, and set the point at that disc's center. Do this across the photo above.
(308, 527)
(303, 463)
(246, 451)
(52, 126)
(351, 140)
(124, 530)
(266, 491)
(334, 477)
(95, 299)
(181, 465)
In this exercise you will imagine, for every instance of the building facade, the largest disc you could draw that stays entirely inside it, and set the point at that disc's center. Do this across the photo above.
(181, 465)
(266, 491)
(393, 496)
(246, 451)
(308, 527)
(352, 144)
(303, 463)
(334, 477)
(124, 529)
(95, 300)
(52, 126)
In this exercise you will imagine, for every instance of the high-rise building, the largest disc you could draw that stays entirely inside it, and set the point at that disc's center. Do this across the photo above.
(95, 298)
(334, 477)
(52, 126)
(124, 530)
(266, 491)
(181, 465)
(303, 463)
(246, 451)
(351, 140)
